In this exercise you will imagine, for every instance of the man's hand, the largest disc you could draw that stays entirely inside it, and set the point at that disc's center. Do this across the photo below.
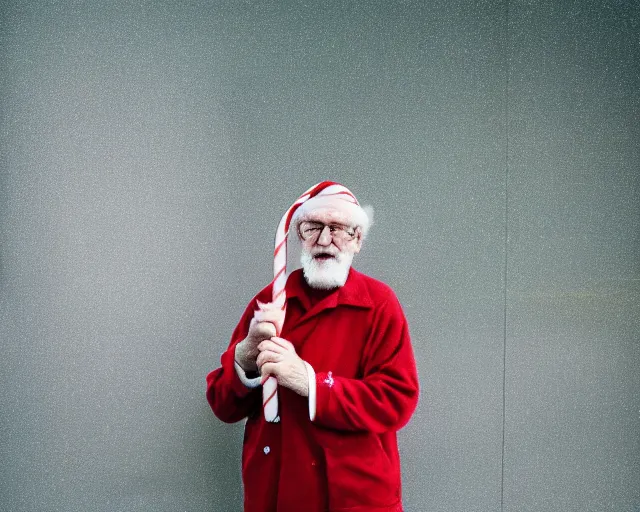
(262, 327)
(278, 358)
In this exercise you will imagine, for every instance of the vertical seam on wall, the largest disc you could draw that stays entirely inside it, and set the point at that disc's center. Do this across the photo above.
(506, 248)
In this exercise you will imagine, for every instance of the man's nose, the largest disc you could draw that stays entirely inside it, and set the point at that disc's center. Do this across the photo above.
(325, 237)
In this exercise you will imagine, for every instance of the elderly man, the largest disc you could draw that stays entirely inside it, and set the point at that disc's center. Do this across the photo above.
(345, 370)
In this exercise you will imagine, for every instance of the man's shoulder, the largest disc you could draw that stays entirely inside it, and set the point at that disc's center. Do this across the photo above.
(378, 290)
(381, 296)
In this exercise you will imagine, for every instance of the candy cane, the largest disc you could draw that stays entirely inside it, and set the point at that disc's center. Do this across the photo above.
(279, 296)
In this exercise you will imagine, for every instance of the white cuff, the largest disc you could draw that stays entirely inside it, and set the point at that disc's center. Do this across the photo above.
(311, 374)
(250, 383)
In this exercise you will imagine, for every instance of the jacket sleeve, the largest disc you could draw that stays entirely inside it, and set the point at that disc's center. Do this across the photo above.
(229, 398)
(385, 397)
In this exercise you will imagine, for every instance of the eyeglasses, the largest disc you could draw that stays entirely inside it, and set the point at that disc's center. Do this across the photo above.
(310, 231)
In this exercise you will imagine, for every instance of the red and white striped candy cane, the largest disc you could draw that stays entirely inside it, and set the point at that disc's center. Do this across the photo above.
(279, 297)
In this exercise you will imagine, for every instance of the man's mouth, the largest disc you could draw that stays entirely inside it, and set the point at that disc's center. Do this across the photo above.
(323, 256)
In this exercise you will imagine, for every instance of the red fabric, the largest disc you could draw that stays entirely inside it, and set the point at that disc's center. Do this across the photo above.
(357, 341)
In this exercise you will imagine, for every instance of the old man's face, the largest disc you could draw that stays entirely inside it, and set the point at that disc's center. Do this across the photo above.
(328, 248)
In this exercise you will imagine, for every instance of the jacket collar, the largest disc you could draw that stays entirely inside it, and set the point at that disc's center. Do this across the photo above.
(353, 293)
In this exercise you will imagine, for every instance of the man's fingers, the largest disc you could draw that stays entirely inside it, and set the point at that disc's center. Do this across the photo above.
(273, 346)
(265, 326)
(268, 370)
(262, 329)
(281, 342)
(266, 357)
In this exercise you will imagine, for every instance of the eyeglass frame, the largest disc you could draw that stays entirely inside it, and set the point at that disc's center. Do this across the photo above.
(333, 228)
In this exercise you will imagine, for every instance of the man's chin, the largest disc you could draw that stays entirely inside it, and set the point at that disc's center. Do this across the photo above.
(325, 273)
(321, 282)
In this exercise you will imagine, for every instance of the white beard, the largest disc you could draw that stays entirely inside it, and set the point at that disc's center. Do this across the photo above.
(328, 274)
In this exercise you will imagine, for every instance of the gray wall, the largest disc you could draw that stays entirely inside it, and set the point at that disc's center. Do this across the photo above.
(148, 150)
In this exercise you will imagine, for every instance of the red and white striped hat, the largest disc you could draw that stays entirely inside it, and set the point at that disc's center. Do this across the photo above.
(335, 201)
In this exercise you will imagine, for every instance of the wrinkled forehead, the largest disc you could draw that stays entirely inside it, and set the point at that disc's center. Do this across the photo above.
(328, 216)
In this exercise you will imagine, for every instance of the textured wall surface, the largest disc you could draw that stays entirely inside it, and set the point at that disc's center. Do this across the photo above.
(148, 150)
(572, 416)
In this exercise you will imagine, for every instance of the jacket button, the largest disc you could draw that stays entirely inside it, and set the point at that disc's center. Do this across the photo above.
(266, 450)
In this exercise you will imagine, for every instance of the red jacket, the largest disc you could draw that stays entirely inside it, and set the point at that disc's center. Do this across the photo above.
(357, 340)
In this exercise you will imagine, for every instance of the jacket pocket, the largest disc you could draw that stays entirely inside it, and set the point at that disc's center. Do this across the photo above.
(360, 475)
(260, 463)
